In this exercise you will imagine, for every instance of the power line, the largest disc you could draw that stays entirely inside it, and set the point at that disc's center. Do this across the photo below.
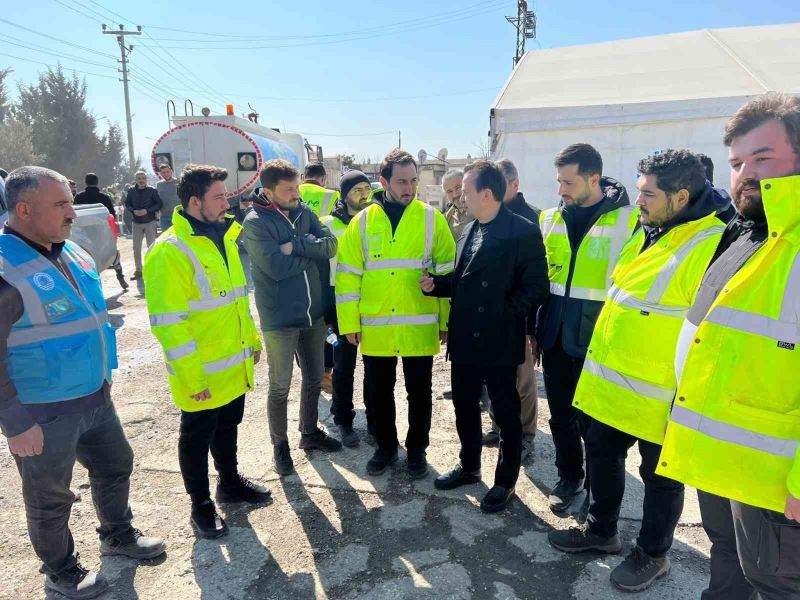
(53, 52)
(50, 37)
(393, 132)
(38, 62)
(75, 10)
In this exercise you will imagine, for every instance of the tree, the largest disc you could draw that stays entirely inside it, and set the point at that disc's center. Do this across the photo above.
(483, 149)
(4, 94)
(16, 145)
(348, 161)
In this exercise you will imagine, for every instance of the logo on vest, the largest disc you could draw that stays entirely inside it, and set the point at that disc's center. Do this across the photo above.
(785, 345)
(44, 281)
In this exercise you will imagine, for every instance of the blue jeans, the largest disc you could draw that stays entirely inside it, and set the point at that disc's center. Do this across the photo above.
(96, 440)
(166, 223)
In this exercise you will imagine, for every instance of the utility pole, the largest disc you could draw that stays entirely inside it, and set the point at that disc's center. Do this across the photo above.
(399, 140)
(525, 22)
(125, 51)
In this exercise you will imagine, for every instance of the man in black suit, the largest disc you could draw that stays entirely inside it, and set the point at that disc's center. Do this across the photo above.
(500, 275)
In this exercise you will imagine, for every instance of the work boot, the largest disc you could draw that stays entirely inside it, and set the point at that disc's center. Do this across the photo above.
(327, 383)
(528, 447)
(580, 539)
(283, 459)
(456, 478)
(350, 437)
(136, 275)
(133, 544)
(496, 499)
(319, 440)
(416, 464)
(380, 461)
(206, 522)
(563, 495)
(639, 570)
(241, 489)
(491, 438)
(76, 582)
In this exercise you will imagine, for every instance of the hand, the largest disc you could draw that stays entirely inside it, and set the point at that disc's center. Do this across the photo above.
(354, 338)
(426, 282)
(286, 249)
(537, 356)
(202, 396)
(443, 337)
(140, 213)
(311, 237)
(256, 357)
(792, 510)
(27, 443)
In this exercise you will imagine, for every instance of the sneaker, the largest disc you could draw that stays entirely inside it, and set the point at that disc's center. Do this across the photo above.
(528, 447)
(241, 489)
(76, 582)
(380, 461)
(416, 464)
(456, 478)
(350, 437)
(206, 522)
(133, 544)
(319, 440)
(563, 495)
(136, 275)
(496, 499)
(283, 459)
(580, 539)
(327, 383)
(639, 570)
(491, 438)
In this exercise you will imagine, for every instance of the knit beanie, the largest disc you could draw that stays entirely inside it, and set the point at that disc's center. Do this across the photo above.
(350, 180)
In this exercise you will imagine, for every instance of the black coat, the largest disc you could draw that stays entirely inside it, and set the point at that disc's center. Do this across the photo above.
(493, 296)
(93, 195)
(147, 199)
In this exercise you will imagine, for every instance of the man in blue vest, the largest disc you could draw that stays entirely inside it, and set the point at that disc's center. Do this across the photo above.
(57, 350)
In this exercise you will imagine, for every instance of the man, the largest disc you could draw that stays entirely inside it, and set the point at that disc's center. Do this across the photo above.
(287, 243)
(734, 431)
(56, 357)
(725, 209)
(143, 202)
(92, 195)
(73, 188)
(196, 295)
(167, 189)
(380, 305)
(355, 194)
(456, 214)
(628, 378)
(583, 237)
(501, 274)
(313, 192)
(526, 372)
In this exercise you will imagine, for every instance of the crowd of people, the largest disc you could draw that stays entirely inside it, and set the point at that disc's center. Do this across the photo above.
(670, 323)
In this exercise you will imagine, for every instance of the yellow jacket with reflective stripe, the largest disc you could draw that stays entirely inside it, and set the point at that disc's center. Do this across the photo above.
(597, 253)
(200, 313)
(319, 199)
(628, 378)
(338, 228)
(377, 280)
(734, 428)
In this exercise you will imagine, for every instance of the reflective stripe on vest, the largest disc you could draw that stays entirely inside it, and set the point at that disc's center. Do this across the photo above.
(224, 363)
(430, 319)
(325, 206)
(637, 386)
(402, 263)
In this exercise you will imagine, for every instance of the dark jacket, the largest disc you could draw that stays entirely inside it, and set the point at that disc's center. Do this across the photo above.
(493, 295)
(570, 319)
(288, 289)
(328, 291)
(143, 199)
(519, 206)
(93, 195)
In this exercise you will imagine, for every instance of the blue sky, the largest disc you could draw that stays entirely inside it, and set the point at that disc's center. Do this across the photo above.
(360, 70)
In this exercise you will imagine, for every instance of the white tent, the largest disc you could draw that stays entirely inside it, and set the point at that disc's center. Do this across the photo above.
(631, 97)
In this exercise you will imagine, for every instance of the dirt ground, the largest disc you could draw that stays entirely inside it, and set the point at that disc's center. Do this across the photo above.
(331, 531)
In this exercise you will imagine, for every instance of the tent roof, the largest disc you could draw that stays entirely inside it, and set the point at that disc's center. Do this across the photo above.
(710, 63)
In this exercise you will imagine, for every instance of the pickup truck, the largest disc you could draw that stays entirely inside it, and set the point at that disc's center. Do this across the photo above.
(94, 230)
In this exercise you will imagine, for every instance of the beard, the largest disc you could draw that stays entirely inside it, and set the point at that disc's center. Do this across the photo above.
(751, 205)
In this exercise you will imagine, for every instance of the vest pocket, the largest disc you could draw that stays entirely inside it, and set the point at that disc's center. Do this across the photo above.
(26, 366)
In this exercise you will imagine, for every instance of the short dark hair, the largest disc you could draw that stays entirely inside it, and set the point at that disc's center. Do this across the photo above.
(708, 164)
(395, 157)
(91, 179)
(164, 165)
(26, 179)
(196, 179)
(314, 171)
(675, 170)
(489, 176)
(275, 171)
(773, 106)
(585, 156)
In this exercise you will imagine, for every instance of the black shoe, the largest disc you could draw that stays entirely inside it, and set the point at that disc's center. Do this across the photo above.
(319, 440)
(133, 544)
(447, 394)
(563, 495)
(456, 478)
(491, 438)
(122, 283)
(77, 582)
(639, 570)
(380, 461)
(206, 522)
(241, 489)
(417, 464)
(496, 499)
(136, 276)
(580, 539)
(350, 437)
(283, 459)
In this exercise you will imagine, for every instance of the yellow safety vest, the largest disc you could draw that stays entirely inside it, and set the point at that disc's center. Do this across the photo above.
(597, 253)
(338, 228)
(377, 280)
(734, 428)
(319, 199)
(200, 313)
(628, 378)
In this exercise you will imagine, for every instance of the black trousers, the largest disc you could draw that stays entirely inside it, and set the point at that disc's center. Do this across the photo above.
(568, 425)
(501, 382)
(215, 430)
(607, 449)
(344, 368)
(380, 376)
